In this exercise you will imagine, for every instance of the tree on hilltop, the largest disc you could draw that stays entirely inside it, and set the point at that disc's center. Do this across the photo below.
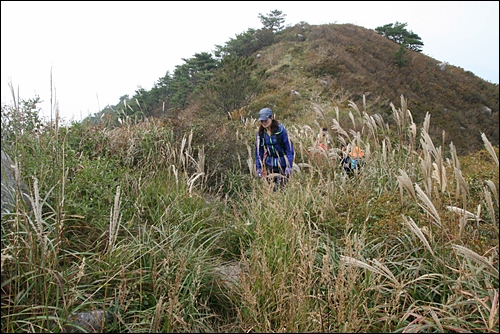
(274, 20)
(246, 43)
(397, 33)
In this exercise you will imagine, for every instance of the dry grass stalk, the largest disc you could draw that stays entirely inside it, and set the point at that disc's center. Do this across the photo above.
(426, 165)
(81, 272)
(493, 310)
(355, 107)
(462, 212)
(489, 204)
(426, 142)
(489, 148)
(11, 88)
(114, 221)
(462, 187)
(469, 254)
(372, 128)
(454, 156)
(192, 181)
(250, 161)
(384, 152)
(320, 114)
(155, 328)
(428, 206)
(367, 150)
(440, 171)
(380, 122)
(405, 183)
(436, 321)
(478, 214)
(200, 165)
(410, 116)
(464, 217)
(181, 155)
(397, 116)
(387, 271)
(351, 116)
(493, 189)
(176, 174)
(379, 268)
(404, 104)
(461, 225)
(412, 130)
(37, 210)
(427, 122)
(336, 126)
(418, 232)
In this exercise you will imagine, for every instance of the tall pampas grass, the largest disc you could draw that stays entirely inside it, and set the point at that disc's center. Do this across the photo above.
(355, 107)
(114, 221)
(493, 189)
(376, 267)
(462, 187)
(454, 157)
(336, 126)
(489, 204)
(426, 204)
(471, 255)
(418, 232)
(426, 169)
(405, 183)
(489, 148)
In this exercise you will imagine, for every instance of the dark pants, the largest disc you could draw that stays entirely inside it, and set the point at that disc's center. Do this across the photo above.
(347, 165)
(278, 180)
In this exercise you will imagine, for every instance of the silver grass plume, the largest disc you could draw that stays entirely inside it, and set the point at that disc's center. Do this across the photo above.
(318, 110)
(351, 116)
(469, 254)
(454, 156)
(489, 148)
(489, 204)
(405, 183)
(355, 107)
(114, 221)
(493, 190)
(418, 232)
(462, 187)
(427, 205)
(377, 267)
(426, 165)
(427, 121)
(336, 126)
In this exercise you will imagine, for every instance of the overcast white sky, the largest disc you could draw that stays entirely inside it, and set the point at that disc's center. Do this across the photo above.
(99, 51)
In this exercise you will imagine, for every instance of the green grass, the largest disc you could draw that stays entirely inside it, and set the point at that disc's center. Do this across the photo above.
(133, 222)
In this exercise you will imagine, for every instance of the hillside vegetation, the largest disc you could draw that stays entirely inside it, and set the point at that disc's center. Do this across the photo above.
(151, 214)
(330, 65)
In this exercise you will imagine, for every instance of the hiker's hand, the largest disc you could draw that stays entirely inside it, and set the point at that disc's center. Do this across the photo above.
(288, 171)
(259, 173)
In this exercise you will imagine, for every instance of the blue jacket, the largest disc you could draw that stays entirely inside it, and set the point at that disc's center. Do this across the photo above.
(278, 153)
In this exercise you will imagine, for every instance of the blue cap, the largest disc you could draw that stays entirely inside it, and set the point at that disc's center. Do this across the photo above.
(264, 114)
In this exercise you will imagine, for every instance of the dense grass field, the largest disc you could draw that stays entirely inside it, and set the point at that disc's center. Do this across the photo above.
(149, 233)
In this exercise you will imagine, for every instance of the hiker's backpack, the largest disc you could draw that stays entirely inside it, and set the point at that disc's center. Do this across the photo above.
(280, 142)
(356, 156)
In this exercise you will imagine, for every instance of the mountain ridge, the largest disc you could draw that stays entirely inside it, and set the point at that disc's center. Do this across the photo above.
(360, 61)
(334, 65)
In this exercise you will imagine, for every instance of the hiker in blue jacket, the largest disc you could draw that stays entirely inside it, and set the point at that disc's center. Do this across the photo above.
(274, 151)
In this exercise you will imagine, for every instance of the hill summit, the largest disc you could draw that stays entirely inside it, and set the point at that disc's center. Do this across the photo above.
(328, 67)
